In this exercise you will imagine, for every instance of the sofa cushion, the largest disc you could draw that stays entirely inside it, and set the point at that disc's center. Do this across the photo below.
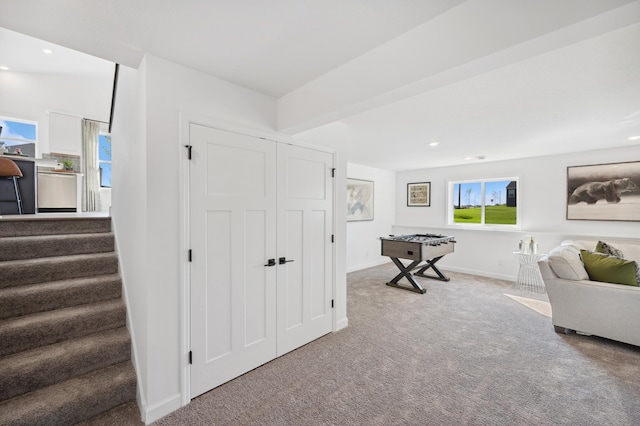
(609, 269)
(605, 248)
(566, 263)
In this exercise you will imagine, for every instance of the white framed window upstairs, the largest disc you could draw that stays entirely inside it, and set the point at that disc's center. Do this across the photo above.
(104, 159)
(18, 137)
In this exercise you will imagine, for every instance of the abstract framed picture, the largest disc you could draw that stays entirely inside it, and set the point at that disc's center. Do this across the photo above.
(419, 194)
(359, 200)
(604, 192)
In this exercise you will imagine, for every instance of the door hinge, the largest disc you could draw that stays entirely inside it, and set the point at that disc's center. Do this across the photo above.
(332, 238)
(333, 172)
(190, 357)
(332, 303)
(190, 255)
(189, 151)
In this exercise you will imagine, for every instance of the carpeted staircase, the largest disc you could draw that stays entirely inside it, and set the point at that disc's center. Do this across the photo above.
(65, 352)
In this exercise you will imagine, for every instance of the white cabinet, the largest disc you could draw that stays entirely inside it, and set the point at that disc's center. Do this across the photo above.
(65, 134)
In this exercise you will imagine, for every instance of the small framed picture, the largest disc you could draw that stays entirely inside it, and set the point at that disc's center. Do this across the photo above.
(419, 194)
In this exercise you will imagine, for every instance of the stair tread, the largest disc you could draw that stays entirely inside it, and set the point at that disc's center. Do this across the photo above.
(56, 236)
(57, 259)
(73, 400)
(32, 288)
(22, 372)
(15, 273)
(42, 328)
(123, 415)
(45, 296)
(39, 225)
(35, 246)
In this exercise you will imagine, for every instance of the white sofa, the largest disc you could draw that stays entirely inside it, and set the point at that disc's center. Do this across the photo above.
(590, 307)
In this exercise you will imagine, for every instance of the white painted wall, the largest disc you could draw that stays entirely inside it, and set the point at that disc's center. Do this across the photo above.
(129, 212)
(148, 171)
(541, 187)
(362, 236)
(30, 96)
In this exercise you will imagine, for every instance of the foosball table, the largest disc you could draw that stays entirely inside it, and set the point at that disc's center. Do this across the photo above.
(418, 248)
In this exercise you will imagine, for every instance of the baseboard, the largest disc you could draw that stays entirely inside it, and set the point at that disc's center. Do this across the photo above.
(478, 273)
(343, 323)
(368, 265)
(162, 408)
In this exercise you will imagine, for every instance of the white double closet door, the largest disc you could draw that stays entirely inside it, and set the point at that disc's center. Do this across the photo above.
(252, 201)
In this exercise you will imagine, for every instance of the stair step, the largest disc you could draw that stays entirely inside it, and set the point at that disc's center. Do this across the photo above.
(23, 372)
(32, 247)
(74, 400)
(45, 328)
(21, 226)
(29, 299)
(33, 271)
(123, 415)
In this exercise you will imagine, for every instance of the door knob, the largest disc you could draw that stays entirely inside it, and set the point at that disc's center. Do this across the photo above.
(271, 262)
(283, 260)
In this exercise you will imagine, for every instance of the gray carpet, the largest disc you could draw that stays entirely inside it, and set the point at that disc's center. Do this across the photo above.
(463, 353)
(65, 352)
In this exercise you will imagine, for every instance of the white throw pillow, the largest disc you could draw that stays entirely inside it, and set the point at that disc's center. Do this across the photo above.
(565, 261)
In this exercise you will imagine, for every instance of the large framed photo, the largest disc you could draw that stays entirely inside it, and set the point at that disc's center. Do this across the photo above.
(604, 192)
(419, 194)
(359, 200)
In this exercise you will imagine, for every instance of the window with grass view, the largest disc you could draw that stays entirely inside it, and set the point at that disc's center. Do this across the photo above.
(484, 202)
(104, 160)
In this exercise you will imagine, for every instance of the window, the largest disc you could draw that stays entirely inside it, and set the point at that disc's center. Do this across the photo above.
(104, 160)
(484, 202)
(18, 136)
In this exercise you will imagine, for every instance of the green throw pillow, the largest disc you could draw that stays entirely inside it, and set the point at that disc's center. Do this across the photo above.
(605, 248)
(609, 269)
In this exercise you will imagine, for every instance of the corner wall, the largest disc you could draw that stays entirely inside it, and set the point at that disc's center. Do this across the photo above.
(362, 236)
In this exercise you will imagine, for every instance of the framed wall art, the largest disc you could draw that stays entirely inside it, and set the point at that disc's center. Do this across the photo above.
(604, 192)
(419, 194)
(359, 200)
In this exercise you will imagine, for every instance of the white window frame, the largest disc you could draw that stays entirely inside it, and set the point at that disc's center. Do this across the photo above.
(23, 121)
(451, 200)
(104, 161)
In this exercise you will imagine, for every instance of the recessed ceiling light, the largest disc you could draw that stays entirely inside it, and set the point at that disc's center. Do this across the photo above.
(47, 51)
(468, 158)
(634, 138)
(434, 144)
(3, 68)
(480, 157)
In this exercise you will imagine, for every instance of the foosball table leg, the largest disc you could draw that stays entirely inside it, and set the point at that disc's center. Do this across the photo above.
(405, 271)
(431, 264)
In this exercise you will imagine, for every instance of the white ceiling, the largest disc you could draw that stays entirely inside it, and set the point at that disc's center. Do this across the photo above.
(496, 78)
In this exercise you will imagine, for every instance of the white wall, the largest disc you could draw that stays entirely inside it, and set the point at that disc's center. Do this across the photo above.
(31, 95)
(147, 207)
(129, 180)
(541, 188)
(362, 236)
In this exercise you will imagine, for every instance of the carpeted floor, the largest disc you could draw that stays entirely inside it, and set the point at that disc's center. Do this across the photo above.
(462, 354)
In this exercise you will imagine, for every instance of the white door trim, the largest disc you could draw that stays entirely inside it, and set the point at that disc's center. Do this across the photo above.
(186, 118)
